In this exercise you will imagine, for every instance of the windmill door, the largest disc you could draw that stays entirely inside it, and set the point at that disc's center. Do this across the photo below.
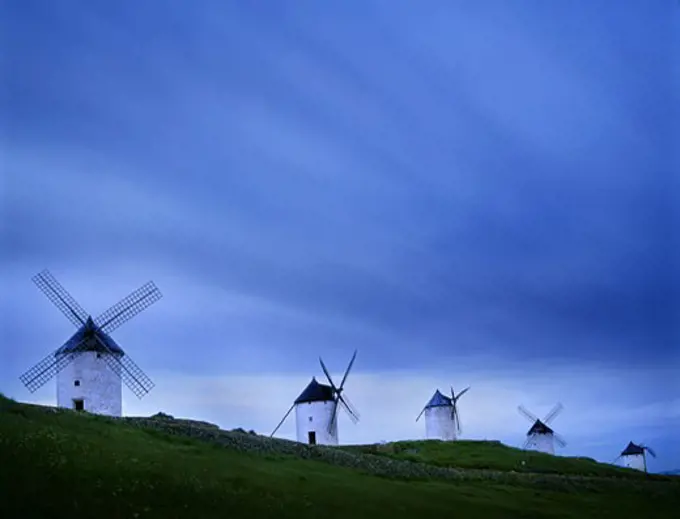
(78, 404)
(311, 437)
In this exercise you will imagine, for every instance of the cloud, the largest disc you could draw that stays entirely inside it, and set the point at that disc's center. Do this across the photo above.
(432, 186)
(387, 287)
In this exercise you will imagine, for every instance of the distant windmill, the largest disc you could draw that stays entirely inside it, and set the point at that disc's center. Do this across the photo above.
(90, 365)
(541, 437)
(316, 410)
(442, 421)
(635, 456)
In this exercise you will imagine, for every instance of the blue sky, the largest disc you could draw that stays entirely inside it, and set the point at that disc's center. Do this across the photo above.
(470, 193)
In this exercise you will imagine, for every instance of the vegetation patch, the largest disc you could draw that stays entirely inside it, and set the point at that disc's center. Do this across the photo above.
(60, 463)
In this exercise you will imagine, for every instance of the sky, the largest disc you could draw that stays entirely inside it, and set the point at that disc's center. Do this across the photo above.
(468, 193)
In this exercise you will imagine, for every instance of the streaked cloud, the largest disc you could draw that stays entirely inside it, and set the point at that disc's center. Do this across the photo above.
(432, 186)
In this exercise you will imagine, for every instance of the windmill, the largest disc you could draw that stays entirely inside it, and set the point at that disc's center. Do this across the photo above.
(540, 437)
(634, 456)
(90, 366)
(316, 410)
(442, 421)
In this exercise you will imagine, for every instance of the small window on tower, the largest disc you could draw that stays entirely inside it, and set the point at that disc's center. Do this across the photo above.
(310, 418)
(76, 382)
(99, 355)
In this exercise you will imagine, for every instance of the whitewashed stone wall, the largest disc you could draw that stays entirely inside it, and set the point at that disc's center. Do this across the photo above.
(98, 386)
(636, 461)
(438, 424)
(315, 416)
(542, 443)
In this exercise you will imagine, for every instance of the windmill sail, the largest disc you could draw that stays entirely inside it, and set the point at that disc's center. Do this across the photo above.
(60, 297)
(92, 335)
(314, 425)
(541, 435)
(338, 396)
(128, 307)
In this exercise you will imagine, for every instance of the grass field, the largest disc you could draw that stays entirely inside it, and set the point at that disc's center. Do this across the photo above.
(63, 464)
(493, 455)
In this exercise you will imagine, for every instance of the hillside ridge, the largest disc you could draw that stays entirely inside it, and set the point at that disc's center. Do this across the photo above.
(395, 459)
(160, 466)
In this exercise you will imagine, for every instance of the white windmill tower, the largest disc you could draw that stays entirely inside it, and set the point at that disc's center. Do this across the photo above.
(316, 410)
(540, 437)
(634, 456)
(90, 366)
(442, 421)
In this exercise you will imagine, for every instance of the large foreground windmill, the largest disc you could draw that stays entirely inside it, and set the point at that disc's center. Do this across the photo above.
(634, 456)
(540, 437)
(442, 421)
(316, 410)
(90, 365)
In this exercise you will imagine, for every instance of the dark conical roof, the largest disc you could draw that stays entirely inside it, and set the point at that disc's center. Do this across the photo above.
(632, 449)
(539, 428)
(315, 392)
(87, 332)
(439, 400)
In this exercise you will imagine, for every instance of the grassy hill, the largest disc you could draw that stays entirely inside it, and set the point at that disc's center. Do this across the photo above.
(63, 464)
(493, 455)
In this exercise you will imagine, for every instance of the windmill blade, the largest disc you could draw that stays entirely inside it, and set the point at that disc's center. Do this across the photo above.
(349, 367)
(615, 460)
(350, 406)
(60, 298)
(352, 415)
(552, 414)
(349, 409)
(128, 307)
(650, 451)
(526, 413)
(282, 420)
(43, 371)
(328, 376)
(332, 427)
(460, 394)
(560, 441)
(123, 366)
(456, 419)
(526, 443)
(421, 413)
(334, 417)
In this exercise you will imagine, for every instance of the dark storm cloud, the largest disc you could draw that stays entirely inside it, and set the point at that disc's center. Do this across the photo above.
(497, 182)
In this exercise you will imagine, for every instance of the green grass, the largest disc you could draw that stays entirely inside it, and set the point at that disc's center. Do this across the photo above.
(493, 455)
(71, 465)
